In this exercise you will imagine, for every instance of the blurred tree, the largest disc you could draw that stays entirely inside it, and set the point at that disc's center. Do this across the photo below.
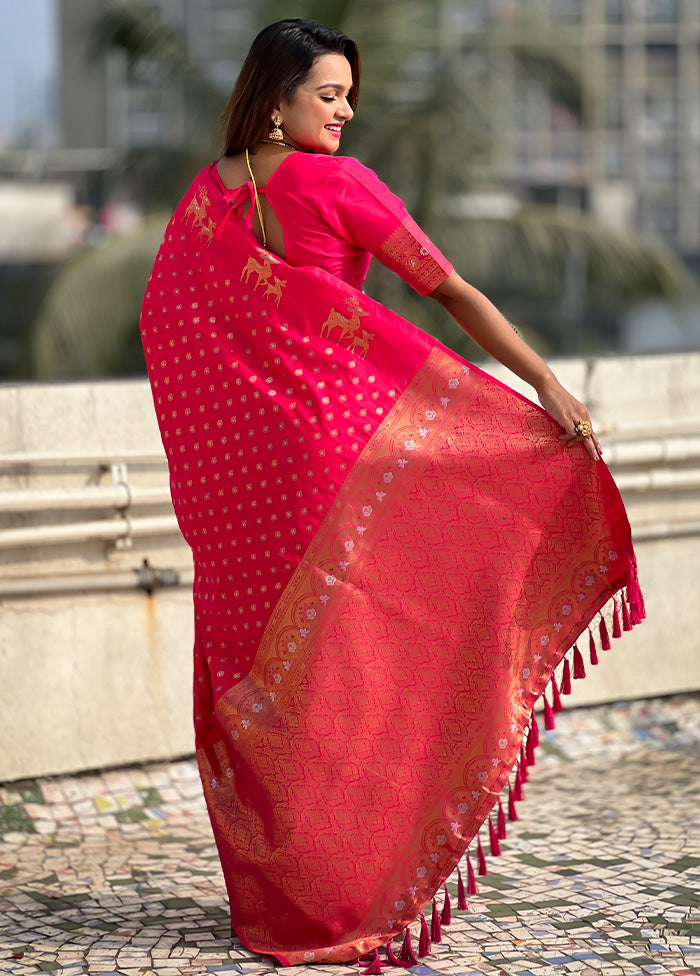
(87, 326)
(425, 125)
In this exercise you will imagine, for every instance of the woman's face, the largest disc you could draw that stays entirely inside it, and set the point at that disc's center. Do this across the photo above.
(312, 119)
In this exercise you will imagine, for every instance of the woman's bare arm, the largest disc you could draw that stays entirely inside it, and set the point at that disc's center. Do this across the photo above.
(484, 323)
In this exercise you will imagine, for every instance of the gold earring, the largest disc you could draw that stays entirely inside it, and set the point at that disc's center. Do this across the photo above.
(276, 135)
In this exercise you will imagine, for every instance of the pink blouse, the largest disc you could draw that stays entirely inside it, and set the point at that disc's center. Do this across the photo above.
(336, 213)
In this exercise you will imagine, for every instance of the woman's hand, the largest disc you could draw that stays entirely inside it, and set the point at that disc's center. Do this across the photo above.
(569, 412)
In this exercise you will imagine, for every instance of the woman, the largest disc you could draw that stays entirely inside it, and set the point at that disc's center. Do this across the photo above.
(393, 551)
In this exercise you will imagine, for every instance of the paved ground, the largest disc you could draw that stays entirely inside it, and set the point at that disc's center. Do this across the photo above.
(117, 873)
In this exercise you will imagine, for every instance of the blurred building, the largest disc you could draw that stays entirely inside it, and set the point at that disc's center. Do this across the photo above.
(111, 100)
(633, 155)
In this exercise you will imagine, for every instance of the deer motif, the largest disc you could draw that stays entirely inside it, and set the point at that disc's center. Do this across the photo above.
(263, 271)
(197, 208)
(275, 289)
(207, 230)
(348, 326)
(362, 342)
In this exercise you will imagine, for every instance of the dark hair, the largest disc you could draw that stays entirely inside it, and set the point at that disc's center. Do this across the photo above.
(280, 59)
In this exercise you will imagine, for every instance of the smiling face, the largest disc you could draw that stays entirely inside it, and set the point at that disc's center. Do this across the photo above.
(314, 115)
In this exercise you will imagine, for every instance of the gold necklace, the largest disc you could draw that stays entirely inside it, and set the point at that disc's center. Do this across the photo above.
(282, 144)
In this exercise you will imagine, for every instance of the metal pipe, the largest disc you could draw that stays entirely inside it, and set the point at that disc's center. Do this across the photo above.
(115, 529)
(118, 495)
(62, 459)
(96, 583)
(659, 479)
(669, 449)
(664, 530)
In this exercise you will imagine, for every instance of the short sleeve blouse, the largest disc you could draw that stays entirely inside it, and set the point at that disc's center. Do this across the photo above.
(350, 215)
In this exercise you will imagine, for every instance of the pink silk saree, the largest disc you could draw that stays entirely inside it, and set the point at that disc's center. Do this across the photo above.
(393, 553)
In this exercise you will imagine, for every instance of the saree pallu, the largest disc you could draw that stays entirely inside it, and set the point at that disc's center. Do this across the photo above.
(393, 553)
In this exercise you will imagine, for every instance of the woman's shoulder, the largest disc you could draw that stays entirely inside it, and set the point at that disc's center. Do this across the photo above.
(323, 165)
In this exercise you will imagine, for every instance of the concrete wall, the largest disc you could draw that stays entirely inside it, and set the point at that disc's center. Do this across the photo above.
(96, 672)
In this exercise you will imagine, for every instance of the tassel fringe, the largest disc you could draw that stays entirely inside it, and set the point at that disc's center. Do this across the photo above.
(407, 954)
(556, 700)
(592, 649)
(512, 812)
(626, 622)
(480, 859)
(424, 941)
(393, 960)
(518, 785)
(493, 839)
(461, 896)
(435, 928)
(566, 678)
(446, 913)
(549, 723)
(471, 880)
(635, 598)
(616, 629)
(522, 766)
(501, 829)
(375, 966)
(633, 612)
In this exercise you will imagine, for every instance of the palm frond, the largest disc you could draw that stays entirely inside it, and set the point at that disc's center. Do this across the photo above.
(532, 252)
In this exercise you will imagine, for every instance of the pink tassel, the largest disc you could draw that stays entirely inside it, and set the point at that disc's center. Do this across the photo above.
(604, 635)
(522, 766)
(556, 700)
(501, 822)
(512, 812)
(375, 966)
(407, 954)
(493, 838)
(424, 941)
(535, 731)
(592, 649)
(579, 668)
(617, 630)
(471, 880)
(518, 795)
(634, 595)
(549, 723)
(435, 929)
(446, 913)
(626, 622)
(480, 859)
(530, 751)
(461, 895)
(393, 960)
(566, 679)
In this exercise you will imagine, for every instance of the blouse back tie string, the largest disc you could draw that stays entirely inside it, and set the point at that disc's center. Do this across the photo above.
(237, 199)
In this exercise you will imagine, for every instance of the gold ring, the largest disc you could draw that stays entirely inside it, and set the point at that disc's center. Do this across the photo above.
(583, 428)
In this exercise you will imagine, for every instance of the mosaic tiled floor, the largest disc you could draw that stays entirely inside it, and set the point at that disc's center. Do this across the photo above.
(117, 873)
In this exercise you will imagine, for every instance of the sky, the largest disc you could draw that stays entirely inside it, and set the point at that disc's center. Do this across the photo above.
(28, 54)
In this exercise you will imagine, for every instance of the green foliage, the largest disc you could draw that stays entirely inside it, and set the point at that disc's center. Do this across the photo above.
(88, 325)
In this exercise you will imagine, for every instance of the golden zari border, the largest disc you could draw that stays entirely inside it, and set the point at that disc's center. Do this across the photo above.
(401, 248)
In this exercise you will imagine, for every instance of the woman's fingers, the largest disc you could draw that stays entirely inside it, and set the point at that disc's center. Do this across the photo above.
(574, 418)
(590, 442)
